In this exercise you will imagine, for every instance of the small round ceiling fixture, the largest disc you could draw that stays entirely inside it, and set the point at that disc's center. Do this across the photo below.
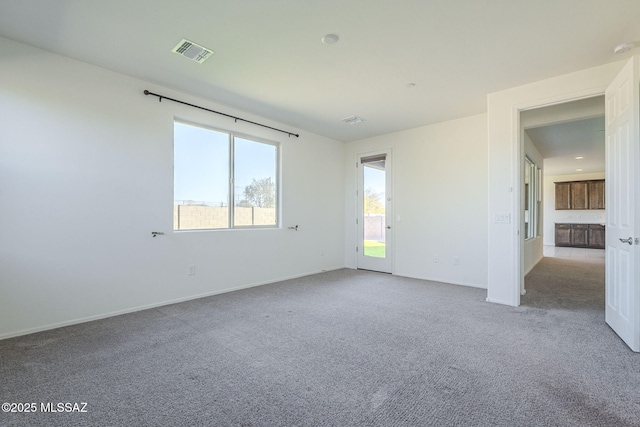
(623, 47)
(330, 39)
(411, 85)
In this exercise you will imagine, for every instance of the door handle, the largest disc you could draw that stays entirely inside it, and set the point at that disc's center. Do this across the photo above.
(629, 240)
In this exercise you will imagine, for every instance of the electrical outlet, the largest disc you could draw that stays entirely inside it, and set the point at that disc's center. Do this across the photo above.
(435, 258)
(191, 270)
(456, 260)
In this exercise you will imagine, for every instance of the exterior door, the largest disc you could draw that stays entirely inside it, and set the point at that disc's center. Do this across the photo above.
(374, 212)
(622, 309)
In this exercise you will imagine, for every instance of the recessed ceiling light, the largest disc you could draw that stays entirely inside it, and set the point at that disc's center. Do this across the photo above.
(192, 51)
(623, 47)
(579, 158)
(330, 39)
(353, 120)
(578, 170)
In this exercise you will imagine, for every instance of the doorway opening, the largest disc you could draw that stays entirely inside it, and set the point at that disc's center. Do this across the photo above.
(374, 246)
(563, 147)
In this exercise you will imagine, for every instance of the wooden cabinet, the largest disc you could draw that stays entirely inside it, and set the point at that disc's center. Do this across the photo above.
(580, 235)
(563, 234)
(596, 194)
(580, 195)
(596, 236)
(563, 192)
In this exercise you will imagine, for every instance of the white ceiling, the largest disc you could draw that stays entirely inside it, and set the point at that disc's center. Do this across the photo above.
(560, 144)
(269, 59)
(565, 131)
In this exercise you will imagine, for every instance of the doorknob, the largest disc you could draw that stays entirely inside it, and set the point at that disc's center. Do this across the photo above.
(629, 240)
(388, 227)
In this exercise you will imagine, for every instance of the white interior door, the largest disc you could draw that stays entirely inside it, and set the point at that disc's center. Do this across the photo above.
(374, 248)
(622, 309)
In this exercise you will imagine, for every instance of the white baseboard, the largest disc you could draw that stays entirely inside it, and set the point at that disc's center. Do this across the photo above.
(71, 322)
(533, 265)
(495, 301)
(440, 280)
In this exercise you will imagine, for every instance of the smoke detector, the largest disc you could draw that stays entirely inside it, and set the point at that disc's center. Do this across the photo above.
(330, 39)
(353, 120)
(193, 51)
(623, 47)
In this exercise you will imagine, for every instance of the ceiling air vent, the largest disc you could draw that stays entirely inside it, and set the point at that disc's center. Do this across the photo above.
(192, 51)
(353, 120)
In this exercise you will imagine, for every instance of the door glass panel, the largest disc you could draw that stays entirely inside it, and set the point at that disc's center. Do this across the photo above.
(374, 184)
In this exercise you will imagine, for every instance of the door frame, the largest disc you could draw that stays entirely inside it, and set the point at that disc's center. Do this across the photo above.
(630, 335)
(522, 234)
(503, 126)
(504, 151)
(389, 208)
(518, 173)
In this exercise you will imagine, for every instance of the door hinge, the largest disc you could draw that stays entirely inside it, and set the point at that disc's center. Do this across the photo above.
(356, 220)
(356, 249)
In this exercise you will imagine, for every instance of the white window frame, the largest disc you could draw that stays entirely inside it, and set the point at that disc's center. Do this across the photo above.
(532, 215)
(231, 185)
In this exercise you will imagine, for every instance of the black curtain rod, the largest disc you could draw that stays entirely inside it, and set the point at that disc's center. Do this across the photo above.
(161, 97)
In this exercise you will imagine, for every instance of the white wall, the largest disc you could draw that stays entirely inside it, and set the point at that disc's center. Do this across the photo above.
(533, 248)
(505, 149)
(440, 195)
(595, 216)
(86, 175)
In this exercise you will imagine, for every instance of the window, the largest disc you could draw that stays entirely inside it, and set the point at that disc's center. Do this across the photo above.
(222, 180)
(532, 180)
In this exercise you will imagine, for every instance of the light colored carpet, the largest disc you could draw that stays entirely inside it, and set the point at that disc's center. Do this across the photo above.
(342, 348)
(567, 283)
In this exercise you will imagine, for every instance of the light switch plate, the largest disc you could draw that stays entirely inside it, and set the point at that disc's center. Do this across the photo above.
(502, 218)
